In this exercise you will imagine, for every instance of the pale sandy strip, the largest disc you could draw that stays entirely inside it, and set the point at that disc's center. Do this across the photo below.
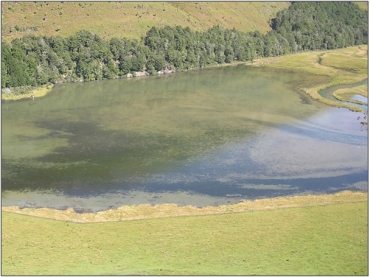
(147, 211)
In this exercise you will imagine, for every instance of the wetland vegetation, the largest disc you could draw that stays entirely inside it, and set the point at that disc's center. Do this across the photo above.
(334, 64)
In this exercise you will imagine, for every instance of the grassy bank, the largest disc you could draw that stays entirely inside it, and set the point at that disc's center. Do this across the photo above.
(37, 92)
(325, 237)
(343, 66)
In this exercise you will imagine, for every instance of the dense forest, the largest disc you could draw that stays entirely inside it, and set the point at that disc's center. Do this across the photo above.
(304, 26)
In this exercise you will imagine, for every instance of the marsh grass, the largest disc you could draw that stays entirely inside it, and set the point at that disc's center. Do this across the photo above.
(327, 239)
(343, 66)
(346, 61)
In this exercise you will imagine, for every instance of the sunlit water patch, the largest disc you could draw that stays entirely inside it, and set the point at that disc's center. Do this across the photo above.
(361, 98)
(205, 137)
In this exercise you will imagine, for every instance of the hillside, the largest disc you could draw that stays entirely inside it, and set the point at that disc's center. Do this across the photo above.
(87, 56)
(363, 5)
(132, 19)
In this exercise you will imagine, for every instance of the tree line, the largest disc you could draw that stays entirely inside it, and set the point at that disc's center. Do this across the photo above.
(304, 26)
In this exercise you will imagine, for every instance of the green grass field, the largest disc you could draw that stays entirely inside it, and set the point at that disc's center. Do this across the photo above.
(327, 239)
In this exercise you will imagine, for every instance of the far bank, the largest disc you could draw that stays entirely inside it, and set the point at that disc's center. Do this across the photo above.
(343, 66)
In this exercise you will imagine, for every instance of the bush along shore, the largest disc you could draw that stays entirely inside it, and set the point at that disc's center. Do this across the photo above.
(33, 61)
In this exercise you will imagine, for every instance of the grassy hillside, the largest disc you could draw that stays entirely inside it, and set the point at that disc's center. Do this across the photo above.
(308, 240)
(363, 5)
(131, 19)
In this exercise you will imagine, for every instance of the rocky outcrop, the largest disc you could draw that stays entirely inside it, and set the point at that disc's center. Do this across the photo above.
(141, 74)
(144, 73)
(166, 71)
(7, 91)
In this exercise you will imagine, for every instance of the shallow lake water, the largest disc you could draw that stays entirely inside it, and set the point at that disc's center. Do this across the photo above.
(204, 137)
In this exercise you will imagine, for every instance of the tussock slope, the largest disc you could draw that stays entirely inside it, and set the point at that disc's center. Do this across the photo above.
(131, 19)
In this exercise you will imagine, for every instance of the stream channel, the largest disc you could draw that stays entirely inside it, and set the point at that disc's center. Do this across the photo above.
(328, 93)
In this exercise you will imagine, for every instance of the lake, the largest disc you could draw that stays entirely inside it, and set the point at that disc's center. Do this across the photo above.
(204, 137)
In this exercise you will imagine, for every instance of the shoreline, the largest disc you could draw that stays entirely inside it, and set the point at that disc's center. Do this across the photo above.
(43, 90)
(147, 211)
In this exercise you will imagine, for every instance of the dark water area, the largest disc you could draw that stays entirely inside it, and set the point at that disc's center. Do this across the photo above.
(205, 137)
